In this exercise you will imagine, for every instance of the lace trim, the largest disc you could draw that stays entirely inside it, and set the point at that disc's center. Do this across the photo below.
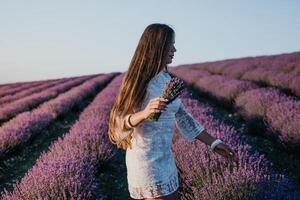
(187, 124)
(158, 190)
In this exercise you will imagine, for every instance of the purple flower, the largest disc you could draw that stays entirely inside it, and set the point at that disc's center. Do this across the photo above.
(173, 88)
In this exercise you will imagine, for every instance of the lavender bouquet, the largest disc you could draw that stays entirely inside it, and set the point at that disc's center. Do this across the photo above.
(173, 88)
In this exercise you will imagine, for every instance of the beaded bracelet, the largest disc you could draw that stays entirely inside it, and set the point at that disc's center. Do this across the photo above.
(215, 143)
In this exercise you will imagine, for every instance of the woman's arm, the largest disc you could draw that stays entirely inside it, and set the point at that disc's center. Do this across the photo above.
(137, 118)
(192, 129)
(222, 148)
(127, 124)
(155, 105)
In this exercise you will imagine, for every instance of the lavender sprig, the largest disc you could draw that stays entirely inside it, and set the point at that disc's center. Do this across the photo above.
(173, 88)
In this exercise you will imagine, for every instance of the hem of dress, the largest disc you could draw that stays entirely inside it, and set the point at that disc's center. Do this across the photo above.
(164, 194)
(160, 195)
(156, 195)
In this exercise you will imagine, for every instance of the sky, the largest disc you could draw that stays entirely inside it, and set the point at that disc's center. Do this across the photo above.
(42, 40)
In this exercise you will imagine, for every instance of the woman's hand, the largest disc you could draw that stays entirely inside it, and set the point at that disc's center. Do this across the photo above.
(155, 105)
(225, 151)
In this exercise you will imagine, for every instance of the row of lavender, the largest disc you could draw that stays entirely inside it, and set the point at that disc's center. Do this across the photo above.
(10, 110)
(207, 175)
(282, 71)
(21, 128)
(13, 88)
(282, 80)
(31, 90)
(289, 62)
(7, 85)
(280, 113)
(68, 169)
(28, 91)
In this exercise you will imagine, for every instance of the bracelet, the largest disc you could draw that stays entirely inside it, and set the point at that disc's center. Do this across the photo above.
(128, 121)
(215, 143)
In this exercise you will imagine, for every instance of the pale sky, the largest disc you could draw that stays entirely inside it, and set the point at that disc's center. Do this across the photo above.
(59, 38)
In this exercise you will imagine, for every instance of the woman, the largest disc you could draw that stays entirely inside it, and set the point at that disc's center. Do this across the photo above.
(151, 168)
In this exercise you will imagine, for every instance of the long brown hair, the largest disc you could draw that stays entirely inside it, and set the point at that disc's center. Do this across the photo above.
(148, 60)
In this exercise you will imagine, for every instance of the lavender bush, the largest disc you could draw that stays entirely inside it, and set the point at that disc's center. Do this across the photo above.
(29, 91)
(253, 103)
(256, 102)
(20, 129)
(10, 110)
(68, 169)
(284, 118)
(17, 88)
(279, 114)
(208, 176)
(222, 87)
(277, 70)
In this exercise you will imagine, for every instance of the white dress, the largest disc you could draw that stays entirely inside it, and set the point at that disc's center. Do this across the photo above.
(151, 168)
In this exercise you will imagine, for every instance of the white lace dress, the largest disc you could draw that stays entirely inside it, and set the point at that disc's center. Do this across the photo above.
(151, 168)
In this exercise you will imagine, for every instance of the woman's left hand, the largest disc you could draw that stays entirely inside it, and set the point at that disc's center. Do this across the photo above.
(225, 151)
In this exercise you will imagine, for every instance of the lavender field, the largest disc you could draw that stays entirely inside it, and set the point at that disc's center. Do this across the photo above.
(54, 142)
